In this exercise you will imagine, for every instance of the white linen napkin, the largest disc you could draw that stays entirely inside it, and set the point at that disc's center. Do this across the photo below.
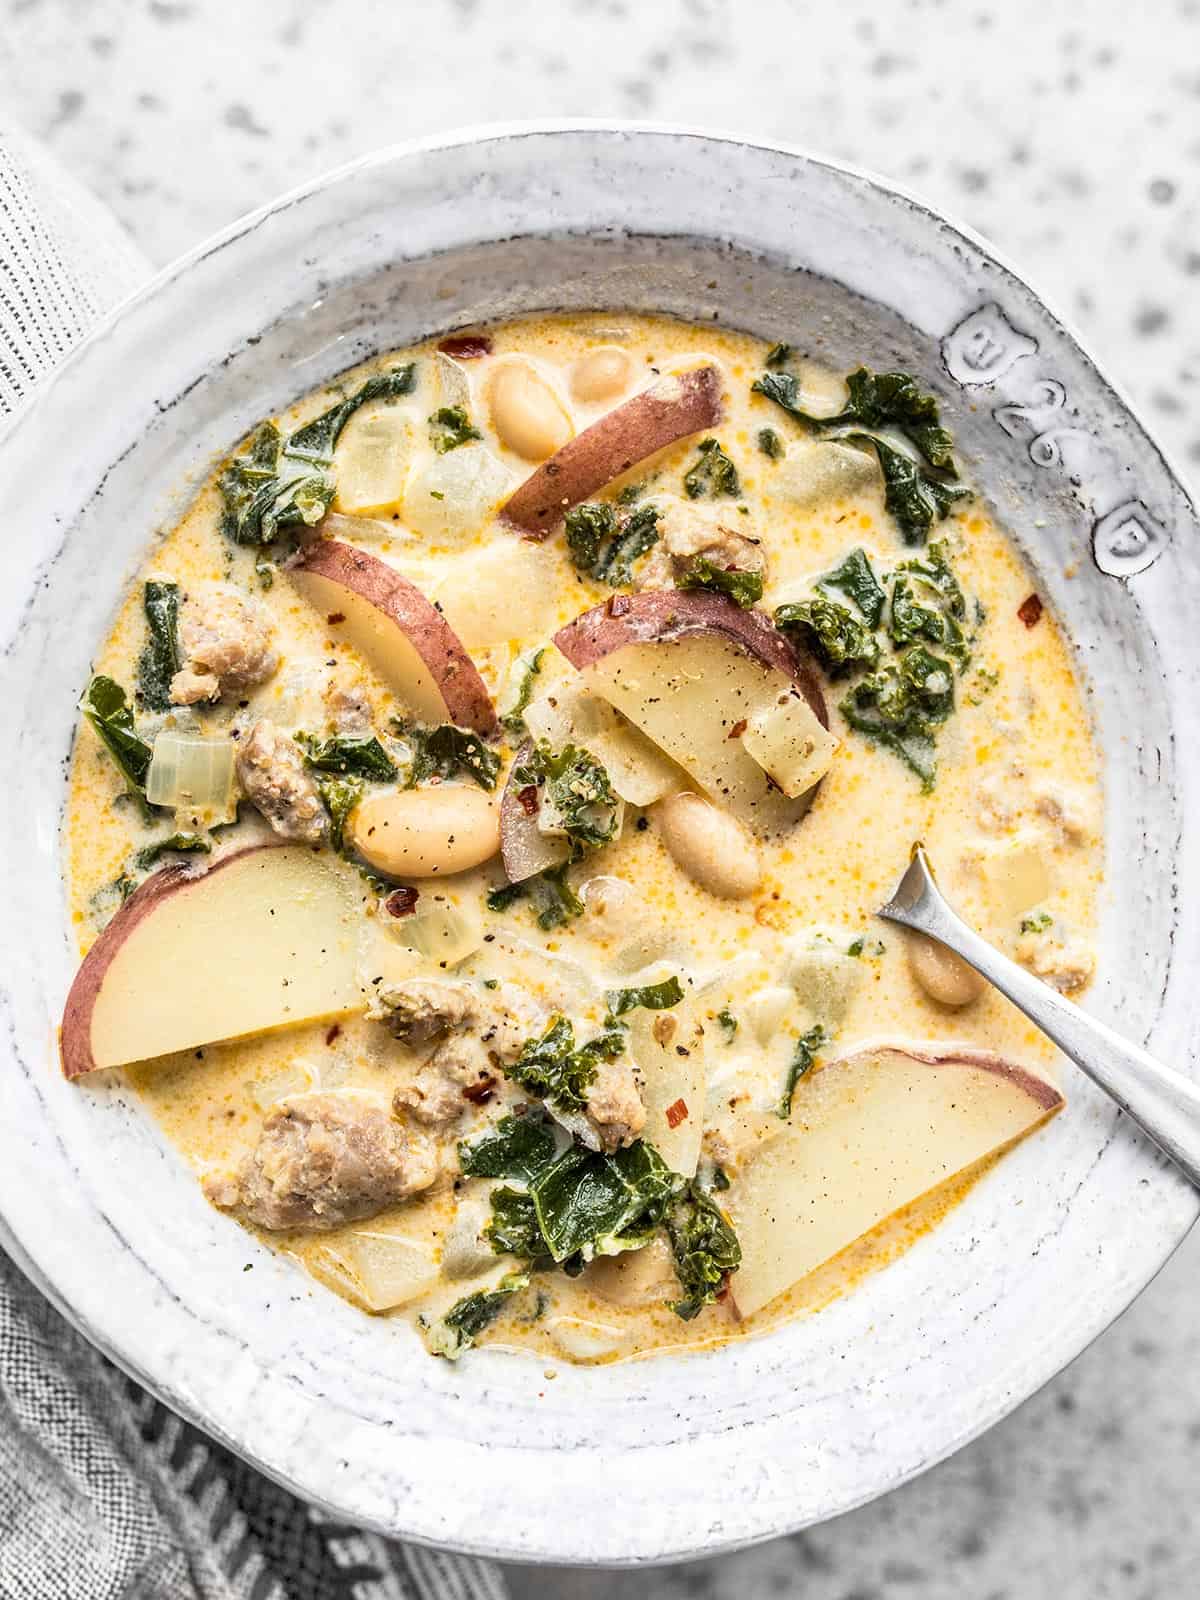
(104, 1493)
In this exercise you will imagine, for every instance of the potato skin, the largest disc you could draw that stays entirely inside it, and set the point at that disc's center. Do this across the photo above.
(668, 410)
(666, 614)
(468, 703)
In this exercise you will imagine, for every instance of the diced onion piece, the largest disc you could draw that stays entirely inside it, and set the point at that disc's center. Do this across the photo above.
(379, 1270)
(765, 1011)
(618, 919)
(789, 744)
(579, 1339)
(452, 382)
(193, 774)
(365, 531)
(437, 929)
(825, 979)
(296, 1078)
(372, 459)
(814, 471)
(450, 497)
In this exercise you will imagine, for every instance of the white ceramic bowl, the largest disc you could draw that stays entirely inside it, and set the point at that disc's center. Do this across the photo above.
(676, 1456)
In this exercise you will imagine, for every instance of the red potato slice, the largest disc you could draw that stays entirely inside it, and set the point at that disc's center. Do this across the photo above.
(668, 410)
(401, 633)
(265, 938)
(660, 616)
(689, 670)
(526, 851)
(869, 1134)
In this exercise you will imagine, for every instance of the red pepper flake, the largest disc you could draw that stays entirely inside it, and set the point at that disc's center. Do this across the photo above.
(618, 605)
(676, 1114)
(527, 799)
(738, 729)
(466, 346)
(479, 1093)
(1030, 610)
(335, 617)
(402, 902)
(333, 1033)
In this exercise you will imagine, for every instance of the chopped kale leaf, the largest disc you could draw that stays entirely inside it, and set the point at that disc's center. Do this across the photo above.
(605, 546)
(855, 578)
(181, 843)
(770, 443)
(339, 795)
(746, 588)
(913, 497)
(652, 996)
(282, 481)
(729, 1023)
(361, 754)
(588, 1203)
(713, 475)
(839, 641)
(929, 605)
(513, 1229)
(803, 1057)
(107, 708)
(705, 1248)
(875, 400)
(514, 718)
(558, 1071)
(516, 1147)
(443, 752)
(457, 1331)
(160, 659)
(639, 533)
(554, 900)
(574, 790)
(588, 527)
(449, 427)
(902, 705)
(779, 355)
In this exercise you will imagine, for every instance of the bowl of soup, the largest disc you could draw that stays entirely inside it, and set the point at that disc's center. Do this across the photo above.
(484, 637)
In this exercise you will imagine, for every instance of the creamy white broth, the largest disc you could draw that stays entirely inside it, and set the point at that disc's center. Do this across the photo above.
(1013, 823)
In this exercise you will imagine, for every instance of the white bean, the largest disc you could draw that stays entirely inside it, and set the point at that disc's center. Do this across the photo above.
(601, 374)
(709, 845)
(944, 976)
(526, 413)
(425, 833)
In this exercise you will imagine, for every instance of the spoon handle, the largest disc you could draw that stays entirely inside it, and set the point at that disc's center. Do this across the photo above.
(1164, 1103)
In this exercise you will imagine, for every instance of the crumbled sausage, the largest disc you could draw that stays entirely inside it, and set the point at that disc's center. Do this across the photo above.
(349, 706)
(437, 1095)
(271, 771)
(1065, 809)
(615, 1109)
(480, 1031)
(323, 1160)
(686, 532)
(226, 641)
(1062, 961)
(419, 1010)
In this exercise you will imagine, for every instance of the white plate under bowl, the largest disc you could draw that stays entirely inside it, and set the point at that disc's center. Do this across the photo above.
(677, 1456)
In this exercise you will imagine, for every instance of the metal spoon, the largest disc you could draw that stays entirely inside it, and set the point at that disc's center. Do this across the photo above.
(1164, 1103)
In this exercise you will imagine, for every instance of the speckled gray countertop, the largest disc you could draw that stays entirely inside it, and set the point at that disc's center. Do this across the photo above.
(1066, 134)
